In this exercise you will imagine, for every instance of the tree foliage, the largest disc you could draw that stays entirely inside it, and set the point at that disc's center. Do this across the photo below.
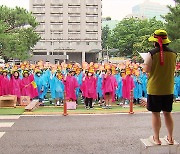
(16, 38)
(173, 26)
(131, 35)
(105, 36)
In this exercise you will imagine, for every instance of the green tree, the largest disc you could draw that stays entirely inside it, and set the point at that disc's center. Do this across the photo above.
(105, 36)
(172, 25)
(131, 35)
(108, 18)
(17, 33)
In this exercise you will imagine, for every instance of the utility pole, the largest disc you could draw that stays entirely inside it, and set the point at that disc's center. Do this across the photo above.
(107, 54)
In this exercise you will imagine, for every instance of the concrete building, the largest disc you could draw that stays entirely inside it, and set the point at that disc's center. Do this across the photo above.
(150, 9)
(136, 16)
(69, 29)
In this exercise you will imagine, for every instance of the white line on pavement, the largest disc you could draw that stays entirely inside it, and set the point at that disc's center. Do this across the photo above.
(1, 134)
(9, 117)
(6, 124)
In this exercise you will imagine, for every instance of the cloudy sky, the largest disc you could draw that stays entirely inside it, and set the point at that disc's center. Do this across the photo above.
(117, 9)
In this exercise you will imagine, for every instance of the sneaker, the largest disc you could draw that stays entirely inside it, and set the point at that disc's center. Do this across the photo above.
(104, 107)
(58, 103)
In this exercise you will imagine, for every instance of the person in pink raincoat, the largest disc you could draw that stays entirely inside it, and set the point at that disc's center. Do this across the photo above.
(128, 85)
(27, 85)
(15, 84)
(71, 84)
(4, 83)
(88, 88)
(109, 86)
(0, 85)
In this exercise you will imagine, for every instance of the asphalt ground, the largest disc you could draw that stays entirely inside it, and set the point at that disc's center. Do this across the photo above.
(80, 134)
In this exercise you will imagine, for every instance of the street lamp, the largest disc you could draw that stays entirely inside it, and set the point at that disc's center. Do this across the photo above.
(110, 51)
(107, 50)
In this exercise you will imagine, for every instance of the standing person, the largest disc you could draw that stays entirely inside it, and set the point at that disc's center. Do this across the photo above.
(38, 77)
(128, 85)
(28, 86)
(15, 84)
(89, 88)
(59, 88)
(119, 83)
(71, 84)
(109, 88)
(46, 77)
(144, 84)
(79, 77)
(160, 64)
(52, 84)
(137, 87)
(176, 85)
(100, 76)
(179, 85)
(5, 83)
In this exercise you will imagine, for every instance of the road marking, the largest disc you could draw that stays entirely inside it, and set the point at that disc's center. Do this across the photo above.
(1, 134)
(6, 124)
(9, 117)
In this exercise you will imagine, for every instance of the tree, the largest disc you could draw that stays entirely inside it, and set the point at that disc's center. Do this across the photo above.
(17, 33)
(108, 18)
(172, 25)
(105, 36)
(131, 35)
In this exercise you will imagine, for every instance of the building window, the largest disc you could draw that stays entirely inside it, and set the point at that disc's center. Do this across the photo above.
(40, 53)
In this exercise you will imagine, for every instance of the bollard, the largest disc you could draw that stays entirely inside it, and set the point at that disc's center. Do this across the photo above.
(131, 103)
(65, 109)
(65, 106)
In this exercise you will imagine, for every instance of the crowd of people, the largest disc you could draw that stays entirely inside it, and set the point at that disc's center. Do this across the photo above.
(104, 82)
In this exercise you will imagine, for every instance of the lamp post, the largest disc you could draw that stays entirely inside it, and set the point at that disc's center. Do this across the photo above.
(107, 52)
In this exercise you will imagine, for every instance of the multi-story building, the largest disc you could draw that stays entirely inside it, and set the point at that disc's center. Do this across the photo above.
(69, 29)
(136, 16)
(150, 9)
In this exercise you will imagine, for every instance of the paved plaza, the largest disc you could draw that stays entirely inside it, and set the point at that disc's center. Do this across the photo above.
(78, 134)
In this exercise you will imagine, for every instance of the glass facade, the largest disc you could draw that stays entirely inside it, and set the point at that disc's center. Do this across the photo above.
(150, 10)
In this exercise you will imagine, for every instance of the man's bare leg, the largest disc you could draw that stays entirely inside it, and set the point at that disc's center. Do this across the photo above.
(156, 125)
(169, 125)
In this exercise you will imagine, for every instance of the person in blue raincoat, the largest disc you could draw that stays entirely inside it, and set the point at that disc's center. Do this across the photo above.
(176, 85)
(46, 77)
(144, 84)
(59, 87)
(119, 83)
(99, 76)
(40, 82)
(52, 83)
(79, 77)
(138, 87)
